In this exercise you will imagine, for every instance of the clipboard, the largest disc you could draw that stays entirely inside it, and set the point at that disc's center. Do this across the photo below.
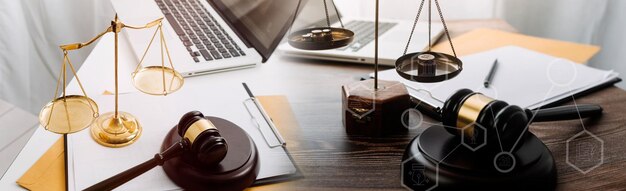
(280, 117)
(271, 135)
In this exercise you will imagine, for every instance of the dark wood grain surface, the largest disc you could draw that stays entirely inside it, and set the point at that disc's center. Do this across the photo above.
(332, 160)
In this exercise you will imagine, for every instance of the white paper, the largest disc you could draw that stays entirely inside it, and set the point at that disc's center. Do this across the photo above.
(93, 163)
(523, 77)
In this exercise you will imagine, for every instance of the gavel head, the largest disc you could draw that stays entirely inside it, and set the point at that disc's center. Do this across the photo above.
(203, 137)
(465, 110)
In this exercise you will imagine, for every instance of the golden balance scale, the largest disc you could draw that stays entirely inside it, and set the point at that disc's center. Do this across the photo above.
(72, 113)
(373, 107)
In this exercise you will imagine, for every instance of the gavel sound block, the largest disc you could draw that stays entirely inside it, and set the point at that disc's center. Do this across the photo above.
(237, 171)
(371, 112)
(435, 159)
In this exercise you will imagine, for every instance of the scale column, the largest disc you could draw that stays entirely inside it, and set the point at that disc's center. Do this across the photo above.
(116, 129)
(374, 107)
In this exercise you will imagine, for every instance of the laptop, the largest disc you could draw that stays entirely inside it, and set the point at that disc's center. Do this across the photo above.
(211, 36)
(393, 36)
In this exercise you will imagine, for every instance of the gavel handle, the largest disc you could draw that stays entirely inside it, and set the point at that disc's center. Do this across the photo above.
(565, 112)
(123, 177)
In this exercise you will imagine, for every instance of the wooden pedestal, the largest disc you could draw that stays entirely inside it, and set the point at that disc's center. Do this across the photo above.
(237, 171)
(437, 159)
(374, 112)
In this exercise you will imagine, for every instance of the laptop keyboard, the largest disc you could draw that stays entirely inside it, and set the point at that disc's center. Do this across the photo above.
(203, 37)
(364, 33)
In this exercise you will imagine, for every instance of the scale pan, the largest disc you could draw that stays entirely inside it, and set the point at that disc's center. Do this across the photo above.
(428, 66)
(157, 80)
(321, 38)
(68, 114)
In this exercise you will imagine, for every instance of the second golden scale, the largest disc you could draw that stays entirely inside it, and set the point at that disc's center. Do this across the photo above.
(72, 113)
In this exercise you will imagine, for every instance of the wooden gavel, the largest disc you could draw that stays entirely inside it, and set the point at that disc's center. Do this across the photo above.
(199, 136)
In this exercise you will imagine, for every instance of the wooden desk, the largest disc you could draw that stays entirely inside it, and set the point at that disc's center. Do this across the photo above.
(332, 160)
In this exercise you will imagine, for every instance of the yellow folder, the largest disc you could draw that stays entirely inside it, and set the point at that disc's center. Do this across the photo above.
(48, 173)
(480, 40)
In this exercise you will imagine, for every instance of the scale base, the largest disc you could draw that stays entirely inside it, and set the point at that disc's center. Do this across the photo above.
(433, 160)
(116, 132)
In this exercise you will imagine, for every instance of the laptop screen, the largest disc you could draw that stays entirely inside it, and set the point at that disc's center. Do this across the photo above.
(260, 23)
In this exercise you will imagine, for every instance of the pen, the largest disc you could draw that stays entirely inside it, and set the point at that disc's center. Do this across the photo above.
(265, 116)
(492, 72)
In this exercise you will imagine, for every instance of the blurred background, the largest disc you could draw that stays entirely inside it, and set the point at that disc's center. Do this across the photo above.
(31, 30)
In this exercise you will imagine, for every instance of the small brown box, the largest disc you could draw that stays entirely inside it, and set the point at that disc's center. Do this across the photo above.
(372, 112)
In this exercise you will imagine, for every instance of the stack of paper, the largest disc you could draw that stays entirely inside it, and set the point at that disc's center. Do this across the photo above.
(90, 163)
(525, 78)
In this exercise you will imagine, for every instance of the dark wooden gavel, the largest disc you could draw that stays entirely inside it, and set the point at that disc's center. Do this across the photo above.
(199, 136)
